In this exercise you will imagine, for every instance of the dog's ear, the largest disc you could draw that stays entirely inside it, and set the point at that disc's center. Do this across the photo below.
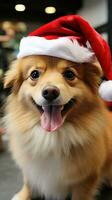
(96, 68)
(93, 74)
(12, 78)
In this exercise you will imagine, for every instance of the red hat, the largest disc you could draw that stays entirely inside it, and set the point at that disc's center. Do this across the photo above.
(68, 38)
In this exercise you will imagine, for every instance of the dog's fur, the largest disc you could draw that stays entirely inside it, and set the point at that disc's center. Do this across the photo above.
(77, 157)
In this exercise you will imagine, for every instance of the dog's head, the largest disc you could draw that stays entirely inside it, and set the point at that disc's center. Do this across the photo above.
(57, 89)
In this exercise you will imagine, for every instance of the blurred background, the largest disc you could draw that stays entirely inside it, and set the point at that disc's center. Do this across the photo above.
(17, 19)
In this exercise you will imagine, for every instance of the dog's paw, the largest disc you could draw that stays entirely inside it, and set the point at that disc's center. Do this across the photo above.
(18, 197)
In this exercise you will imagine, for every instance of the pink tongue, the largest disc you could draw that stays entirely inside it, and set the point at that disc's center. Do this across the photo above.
(51, 118)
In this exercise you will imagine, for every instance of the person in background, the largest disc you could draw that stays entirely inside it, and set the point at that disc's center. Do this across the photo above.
(10, 36)
(16, 30)
(10, 46)
(4, 37)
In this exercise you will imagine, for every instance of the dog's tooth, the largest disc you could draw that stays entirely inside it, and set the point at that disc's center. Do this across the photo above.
(43, 107)
(62, 107)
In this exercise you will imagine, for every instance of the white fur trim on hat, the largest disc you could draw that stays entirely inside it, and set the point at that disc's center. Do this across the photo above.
(105, 90)
(62, 48)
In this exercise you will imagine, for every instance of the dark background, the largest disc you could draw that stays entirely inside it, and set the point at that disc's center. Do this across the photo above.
(35, 9)
(35, 12)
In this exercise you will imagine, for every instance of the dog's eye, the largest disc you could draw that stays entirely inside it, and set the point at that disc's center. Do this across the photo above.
(34, 74)
(69, 75)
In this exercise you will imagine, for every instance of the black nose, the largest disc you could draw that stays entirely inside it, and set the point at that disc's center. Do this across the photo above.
(50, 93)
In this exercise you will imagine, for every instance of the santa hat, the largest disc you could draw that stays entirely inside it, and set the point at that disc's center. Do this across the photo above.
(68, 38)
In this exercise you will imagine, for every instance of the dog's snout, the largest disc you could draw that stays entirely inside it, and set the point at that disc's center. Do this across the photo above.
(50, 93)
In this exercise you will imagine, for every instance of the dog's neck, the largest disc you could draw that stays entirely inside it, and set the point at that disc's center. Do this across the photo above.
(42, 143)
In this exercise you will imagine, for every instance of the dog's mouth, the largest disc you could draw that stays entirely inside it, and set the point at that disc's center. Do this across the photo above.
(52, 116)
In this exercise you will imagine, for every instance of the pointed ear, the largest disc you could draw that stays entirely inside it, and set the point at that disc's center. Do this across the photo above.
(93, 74)
(13, 77)
(96, 68)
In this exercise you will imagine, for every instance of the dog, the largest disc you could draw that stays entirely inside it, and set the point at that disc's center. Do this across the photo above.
(60, 131)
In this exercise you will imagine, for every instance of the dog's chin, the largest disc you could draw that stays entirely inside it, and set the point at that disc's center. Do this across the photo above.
(52, 116)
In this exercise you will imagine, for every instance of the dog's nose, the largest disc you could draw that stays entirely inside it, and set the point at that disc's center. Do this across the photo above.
(50, 93)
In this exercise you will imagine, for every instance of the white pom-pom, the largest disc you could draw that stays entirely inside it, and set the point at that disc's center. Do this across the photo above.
(16, 197)
(105, 90)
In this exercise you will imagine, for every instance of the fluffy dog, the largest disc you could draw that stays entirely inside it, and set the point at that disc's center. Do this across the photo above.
(59, 129)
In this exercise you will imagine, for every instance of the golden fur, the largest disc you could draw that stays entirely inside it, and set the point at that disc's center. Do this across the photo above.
(75, 159)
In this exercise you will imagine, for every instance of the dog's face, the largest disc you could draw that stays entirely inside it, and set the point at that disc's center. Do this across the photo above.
(55, 88)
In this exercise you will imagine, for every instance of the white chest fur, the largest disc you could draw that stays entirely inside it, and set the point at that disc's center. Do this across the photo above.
(43, 164)
(46, 176)
(45, 169)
